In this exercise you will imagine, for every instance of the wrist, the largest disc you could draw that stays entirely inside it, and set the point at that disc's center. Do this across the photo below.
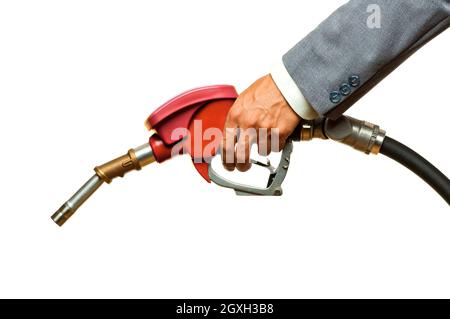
(291, 93)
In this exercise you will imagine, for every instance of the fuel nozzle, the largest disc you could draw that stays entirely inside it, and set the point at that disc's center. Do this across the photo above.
(134, 159)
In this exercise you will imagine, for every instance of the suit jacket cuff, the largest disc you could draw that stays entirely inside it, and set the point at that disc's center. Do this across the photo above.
(291, 92)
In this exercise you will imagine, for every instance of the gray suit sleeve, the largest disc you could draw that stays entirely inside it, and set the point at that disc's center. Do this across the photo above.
(344, 57)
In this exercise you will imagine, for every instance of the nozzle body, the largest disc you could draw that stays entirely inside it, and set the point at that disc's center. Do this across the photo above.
(135, 159)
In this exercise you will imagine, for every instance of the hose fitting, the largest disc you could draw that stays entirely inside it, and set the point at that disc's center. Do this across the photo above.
(311, 129)
(361, 135)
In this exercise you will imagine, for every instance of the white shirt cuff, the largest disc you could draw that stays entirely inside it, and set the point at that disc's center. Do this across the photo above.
(291, 92)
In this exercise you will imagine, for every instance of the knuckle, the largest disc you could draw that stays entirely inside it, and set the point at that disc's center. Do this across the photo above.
(251, 121)
(268, 123)
(235, 113)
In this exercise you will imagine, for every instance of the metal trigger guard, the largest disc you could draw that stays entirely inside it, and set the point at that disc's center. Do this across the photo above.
(276, 178)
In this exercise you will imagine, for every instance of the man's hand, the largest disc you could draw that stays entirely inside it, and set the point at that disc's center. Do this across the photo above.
(261, 115)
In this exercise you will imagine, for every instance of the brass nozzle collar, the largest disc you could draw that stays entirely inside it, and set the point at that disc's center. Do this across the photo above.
(134, 159)
(118, 167)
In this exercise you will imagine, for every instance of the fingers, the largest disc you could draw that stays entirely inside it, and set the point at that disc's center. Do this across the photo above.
(264, 142)
(228, 141)
(278, 140)
(246, 138)
(237, 143)
(270, 140)
(228, 149)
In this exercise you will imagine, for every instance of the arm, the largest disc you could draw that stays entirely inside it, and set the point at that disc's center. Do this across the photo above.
(331, 68)
(350, 52)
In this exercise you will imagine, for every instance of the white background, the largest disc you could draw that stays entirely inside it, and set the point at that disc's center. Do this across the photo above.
(78, 79)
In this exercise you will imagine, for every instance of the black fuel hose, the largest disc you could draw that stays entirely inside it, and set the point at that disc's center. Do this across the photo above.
(417, 164)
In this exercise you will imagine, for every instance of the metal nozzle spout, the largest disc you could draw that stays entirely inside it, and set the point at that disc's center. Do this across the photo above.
(70, 207)
(135, 159)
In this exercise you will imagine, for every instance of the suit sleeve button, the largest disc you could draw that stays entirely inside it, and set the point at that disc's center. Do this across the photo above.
(335, 97)
(354, 80)
(345, 89)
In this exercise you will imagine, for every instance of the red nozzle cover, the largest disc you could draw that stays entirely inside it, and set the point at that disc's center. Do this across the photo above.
(209, 105)
(178, 112)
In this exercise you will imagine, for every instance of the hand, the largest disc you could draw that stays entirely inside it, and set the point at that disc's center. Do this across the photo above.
(262, 115)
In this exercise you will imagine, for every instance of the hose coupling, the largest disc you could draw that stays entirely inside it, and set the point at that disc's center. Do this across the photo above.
(361, 135)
